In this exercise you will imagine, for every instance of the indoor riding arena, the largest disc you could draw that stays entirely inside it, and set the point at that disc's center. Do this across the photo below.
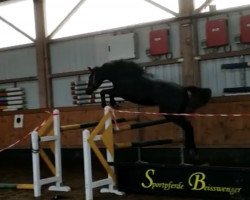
(124, 99)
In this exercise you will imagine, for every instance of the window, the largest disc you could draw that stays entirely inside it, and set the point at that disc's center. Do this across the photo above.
(90, 16)
(19, 14)
(221, 4)
(96, 15)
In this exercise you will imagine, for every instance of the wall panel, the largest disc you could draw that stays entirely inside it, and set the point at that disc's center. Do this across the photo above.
(18, 63)
(21, 63)
(214, 77)
(77, 54)
(233, 30)
(167, 72)
(72, 55)
(31, 94)
(209, 132)
(62, 91)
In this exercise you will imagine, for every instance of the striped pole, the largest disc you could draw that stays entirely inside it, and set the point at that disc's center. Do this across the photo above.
(21, 186)
(11, 107)
(3, 99)
(141, 125)
(11, 99)
(4, 94)
(10, 89)
(15, 102)
(146, 143)
(91, 124)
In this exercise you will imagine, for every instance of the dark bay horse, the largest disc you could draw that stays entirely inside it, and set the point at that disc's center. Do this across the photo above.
(133, 84)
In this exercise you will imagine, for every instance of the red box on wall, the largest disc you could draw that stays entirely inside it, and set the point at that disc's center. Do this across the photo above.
(159, 43)
(245, 29)
(217, 33)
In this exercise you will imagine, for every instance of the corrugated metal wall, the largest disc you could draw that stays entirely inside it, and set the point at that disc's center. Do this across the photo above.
(211, 73)
(21, 63)
(233, 30)
(72, 55)
(18, 63)
(62, 92)
(78, 54)
(171, 73)
(247, 59)
(214, 77)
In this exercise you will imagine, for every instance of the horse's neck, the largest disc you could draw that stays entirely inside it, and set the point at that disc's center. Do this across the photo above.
(109, 74)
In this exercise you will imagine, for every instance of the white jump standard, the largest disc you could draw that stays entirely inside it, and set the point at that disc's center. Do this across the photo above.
(109, 181)
(57, 178)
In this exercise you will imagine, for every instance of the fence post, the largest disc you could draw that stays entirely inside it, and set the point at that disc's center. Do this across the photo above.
(87, 165)
(57, 154)
(36, 163)
(108, 154)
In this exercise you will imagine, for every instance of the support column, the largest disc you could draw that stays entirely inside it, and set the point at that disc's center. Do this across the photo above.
(43, 70)
(190, 66)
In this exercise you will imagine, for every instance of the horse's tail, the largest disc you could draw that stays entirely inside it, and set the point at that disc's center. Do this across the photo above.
(198, 97)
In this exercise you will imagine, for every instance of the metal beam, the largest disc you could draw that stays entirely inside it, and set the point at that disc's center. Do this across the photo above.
(17, 29)
(67, 17)
(162, 7)
(204, 5)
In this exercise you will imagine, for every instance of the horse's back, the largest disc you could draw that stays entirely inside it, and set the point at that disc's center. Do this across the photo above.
(132, 83)
(169, 95)
(146, 90)
(124, 68)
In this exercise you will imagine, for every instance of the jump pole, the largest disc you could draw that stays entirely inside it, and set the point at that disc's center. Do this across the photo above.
(19, 186)
(146, 124)
(122, 145)
(89, 125)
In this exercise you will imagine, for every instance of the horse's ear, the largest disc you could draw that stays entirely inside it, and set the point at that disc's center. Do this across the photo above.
(90, 69)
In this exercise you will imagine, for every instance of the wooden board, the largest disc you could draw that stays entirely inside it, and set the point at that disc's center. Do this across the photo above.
(209, 131)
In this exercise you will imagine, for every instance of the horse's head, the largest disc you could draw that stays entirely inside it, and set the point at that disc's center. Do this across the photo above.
(94, 80)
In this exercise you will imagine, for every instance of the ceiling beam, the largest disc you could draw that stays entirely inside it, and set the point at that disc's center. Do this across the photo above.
(17, 29)
(203, 6)
(162, 7)
(66, 18)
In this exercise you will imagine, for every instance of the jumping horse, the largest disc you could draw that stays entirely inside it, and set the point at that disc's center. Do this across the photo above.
(133, 84)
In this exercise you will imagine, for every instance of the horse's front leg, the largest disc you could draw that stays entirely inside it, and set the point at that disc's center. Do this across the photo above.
(103, 93)
(111, 94)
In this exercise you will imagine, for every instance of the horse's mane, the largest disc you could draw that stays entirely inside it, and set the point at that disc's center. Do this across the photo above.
(126, 68)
